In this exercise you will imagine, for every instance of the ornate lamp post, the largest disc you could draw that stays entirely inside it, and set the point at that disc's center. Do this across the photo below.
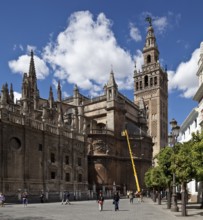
(172, 139)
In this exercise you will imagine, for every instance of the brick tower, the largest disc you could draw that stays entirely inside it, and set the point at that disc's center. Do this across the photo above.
(151, 85)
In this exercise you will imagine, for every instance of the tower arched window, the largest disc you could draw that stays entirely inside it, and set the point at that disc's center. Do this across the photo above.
(140, 85)
(136, 85)
(148, 59)
(155, 80)
(151, 81)
(146, 81)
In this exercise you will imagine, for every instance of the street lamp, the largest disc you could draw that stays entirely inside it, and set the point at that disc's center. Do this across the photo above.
(172, 139)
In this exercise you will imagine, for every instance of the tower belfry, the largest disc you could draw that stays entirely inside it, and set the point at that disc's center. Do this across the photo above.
(151, 85)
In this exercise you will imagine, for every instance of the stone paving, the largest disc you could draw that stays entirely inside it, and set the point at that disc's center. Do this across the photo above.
(88, 210)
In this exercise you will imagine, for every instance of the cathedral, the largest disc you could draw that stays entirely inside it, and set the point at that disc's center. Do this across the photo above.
(75, 144)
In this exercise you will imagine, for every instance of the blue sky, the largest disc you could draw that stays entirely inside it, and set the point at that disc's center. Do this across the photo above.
(80, 41)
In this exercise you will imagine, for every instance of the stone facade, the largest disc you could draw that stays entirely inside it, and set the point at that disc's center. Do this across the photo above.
(75, 144)
(42, 143)
(109, 163)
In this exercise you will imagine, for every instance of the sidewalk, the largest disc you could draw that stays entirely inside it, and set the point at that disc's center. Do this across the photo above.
(193, 210)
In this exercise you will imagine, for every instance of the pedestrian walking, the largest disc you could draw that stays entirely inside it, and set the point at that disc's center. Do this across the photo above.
(66, 198)
(131, 196)
(25, 199)
(116, 199)
(100, 201)
(142, 196)
(42, 197)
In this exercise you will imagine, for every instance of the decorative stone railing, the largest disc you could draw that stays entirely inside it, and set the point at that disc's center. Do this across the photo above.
(102, 131)
(23, 120)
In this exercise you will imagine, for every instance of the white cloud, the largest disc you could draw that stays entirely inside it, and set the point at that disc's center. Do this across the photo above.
(17, 96)
(55, 83)
(160, 23)
(135, 33)
(85, 51)
(31, 48)
(21, 65)
(184, 78)
(65, 95)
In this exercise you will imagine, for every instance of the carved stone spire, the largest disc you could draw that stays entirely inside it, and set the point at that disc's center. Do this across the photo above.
(7, 93)
(32, 72)
(11, 94)
(32, 78)
(111, 88)
(112, 82)
(51, 98)
(3, 96)
(59, 92)
(25, 83)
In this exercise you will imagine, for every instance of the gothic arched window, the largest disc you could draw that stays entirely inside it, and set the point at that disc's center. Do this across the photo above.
(146, 81)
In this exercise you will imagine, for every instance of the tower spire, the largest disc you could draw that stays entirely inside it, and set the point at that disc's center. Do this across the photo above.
(11, 94)
(112, 82)
(32, 72)
(150, 50)
(59, 92)
(32, 77)
(51, 98)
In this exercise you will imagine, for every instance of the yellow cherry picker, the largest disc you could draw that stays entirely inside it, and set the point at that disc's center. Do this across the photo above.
(125, 133)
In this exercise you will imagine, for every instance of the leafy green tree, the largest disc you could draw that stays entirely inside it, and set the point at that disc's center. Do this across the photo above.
(164, 161)
(183, 168)
(155, 179)
(197, 155)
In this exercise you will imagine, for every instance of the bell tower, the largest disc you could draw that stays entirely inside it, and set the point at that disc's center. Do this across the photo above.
(151, 85)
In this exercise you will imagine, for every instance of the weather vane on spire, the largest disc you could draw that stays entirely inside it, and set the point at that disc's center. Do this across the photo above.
(149, 19)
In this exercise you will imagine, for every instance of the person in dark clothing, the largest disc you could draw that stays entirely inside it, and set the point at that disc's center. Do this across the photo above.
(42, 196)
(131, 196)
(100, 201)
(66, 198)
(116, 199)
(25, 199)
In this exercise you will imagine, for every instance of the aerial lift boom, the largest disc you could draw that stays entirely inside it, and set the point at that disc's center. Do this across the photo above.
(125, 133)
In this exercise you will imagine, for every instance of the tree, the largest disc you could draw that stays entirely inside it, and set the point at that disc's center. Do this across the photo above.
(155, 179)
(183, 168)
(197, 155)
(164, 161)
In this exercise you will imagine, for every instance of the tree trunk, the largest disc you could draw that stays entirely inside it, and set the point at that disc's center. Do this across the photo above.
(184, 199)
(159, 197)
(154, 195)
(169, 197)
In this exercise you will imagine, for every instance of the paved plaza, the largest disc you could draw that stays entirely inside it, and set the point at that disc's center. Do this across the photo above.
(88, 210)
